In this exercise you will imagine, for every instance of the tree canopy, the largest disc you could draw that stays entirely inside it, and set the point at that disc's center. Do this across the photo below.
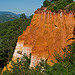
(9, 33)
(46, 3)
(23, 16)
(56, 5)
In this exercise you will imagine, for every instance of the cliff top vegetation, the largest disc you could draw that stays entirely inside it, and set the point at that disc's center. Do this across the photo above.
(56, 5)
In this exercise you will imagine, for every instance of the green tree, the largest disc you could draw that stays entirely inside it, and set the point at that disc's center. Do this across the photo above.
(23, 16)
(72, 6)
(46, 3)
(31, 16)
(69, 1)
(55, 9)
(54, 0)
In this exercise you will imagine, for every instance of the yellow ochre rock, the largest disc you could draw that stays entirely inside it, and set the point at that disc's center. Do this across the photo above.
(48, 33)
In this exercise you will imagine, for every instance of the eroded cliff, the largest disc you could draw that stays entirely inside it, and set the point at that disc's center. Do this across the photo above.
(47, 34)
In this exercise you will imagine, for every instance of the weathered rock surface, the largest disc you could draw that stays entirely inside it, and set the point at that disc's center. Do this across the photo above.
(47, 34)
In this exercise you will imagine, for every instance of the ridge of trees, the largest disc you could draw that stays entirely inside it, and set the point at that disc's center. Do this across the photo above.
(56, 5)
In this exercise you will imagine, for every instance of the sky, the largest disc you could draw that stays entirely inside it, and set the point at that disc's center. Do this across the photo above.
(20, 6)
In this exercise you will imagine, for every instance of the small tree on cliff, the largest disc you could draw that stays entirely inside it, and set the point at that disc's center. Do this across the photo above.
(69, 1)
(46, 3)
(54, 0)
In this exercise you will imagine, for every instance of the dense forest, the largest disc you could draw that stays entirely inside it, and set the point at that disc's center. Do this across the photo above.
(9, 33)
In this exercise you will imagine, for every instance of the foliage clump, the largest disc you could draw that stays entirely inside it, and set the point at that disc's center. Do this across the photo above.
(46, 3)
(23, 16)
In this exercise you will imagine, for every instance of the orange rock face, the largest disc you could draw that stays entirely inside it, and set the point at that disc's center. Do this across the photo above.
(47, 34)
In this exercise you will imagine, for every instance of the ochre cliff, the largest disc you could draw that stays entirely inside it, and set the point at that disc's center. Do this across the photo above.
(47, 34)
